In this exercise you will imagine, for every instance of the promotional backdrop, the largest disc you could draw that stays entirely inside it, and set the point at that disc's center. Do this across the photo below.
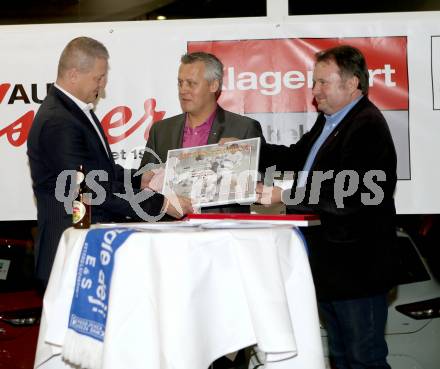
(268, 75)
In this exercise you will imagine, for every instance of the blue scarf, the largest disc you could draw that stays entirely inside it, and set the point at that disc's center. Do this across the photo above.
(89, 309)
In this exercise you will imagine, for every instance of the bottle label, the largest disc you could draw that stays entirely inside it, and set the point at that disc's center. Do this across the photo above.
(78, 211)
(79, 177)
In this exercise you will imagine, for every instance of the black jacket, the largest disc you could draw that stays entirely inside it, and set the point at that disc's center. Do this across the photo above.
(355, 257)
(61, 138)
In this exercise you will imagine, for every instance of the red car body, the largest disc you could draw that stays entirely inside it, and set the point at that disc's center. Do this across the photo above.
(20, 305)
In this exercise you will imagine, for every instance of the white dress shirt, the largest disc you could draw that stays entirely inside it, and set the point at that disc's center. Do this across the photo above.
(86, 108)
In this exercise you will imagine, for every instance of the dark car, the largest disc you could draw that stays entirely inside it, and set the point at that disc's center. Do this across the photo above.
(413, 327)
(20, 305)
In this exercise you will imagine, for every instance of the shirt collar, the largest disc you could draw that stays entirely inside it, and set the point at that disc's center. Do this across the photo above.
(335, 118)
(207, 122)
(85, 107)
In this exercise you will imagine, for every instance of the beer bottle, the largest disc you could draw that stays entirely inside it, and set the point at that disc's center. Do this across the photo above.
(81, 209)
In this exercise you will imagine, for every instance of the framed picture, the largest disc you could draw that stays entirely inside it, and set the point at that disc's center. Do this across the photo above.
(214, 174)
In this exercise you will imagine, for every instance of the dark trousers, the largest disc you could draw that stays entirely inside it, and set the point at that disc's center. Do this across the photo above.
(356, 332)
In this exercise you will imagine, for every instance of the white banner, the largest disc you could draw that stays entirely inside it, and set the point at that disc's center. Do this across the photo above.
(268, 68)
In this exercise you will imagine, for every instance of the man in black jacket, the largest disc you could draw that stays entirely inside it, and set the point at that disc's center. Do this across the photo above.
(346, 172)
(65, 134)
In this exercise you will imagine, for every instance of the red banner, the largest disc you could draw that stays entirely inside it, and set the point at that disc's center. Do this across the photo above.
(277, 75)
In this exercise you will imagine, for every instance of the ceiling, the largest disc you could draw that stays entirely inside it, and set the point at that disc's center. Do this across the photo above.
(62, 11)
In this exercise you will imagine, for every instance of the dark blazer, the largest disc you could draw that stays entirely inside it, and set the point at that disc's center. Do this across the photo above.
(61, 138)
(168, 135)
(356, 255)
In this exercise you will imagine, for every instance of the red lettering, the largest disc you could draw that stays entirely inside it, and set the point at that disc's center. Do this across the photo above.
(4, 87)
(121, 115)
(150, 106)
(117, 117)
(17, 132)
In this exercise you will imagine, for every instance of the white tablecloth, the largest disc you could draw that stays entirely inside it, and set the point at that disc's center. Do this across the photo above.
(180, 298)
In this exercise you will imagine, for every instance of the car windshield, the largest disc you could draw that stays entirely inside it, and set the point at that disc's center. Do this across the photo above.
(410, 266)
(16, 265)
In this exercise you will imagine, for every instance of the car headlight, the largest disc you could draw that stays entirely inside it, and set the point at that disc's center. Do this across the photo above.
(427, 309)
(25, 317)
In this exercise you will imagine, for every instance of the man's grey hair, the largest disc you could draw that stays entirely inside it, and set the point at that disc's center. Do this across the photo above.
(213, 66)
(81, 53)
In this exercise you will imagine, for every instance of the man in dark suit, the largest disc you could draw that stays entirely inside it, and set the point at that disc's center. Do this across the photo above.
(203, 121)
(346, 168)
(65, 134)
